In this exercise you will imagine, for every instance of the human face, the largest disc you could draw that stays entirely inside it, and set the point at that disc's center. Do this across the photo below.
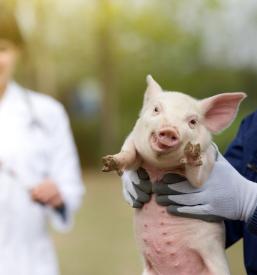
(8, 57)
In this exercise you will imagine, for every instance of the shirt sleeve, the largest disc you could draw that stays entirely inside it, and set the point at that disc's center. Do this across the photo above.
(64, 171)
(234, 154)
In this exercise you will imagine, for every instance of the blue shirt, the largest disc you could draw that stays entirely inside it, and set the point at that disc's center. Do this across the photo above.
(242, 154)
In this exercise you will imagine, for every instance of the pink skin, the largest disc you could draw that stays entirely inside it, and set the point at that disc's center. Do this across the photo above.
(167, 123)
(168, 242)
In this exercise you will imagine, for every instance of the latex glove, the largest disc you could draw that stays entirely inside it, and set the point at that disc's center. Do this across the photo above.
(137, 187)
(47, 193)
(225, 195)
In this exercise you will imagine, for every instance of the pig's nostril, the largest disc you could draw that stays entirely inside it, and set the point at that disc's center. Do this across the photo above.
(168, 134)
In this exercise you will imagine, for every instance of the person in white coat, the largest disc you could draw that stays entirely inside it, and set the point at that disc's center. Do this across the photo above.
(40, 178)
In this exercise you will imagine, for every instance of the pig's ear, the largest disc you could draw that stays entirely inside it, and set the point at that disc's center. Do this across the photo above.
(153, 88)
(220, 110)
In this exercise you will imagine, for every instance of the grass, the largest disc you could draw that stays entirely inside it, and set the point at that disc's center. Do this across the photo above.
(102, 242)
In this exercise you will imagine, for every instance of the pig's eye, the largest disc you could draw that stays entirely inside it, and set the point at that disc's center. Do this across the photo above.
(193, 123)
(156, 110)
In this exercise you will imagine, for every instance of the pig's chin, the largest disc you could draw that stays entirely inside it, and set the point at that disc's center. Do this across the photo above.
(160, 147)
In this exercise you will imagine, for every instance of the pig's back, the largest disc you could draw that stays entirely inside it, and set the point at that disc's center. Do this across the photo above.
(175, 245)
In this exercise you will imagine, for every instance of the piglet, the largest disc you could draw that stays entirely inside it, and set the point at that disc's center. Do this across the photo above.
(173, 134)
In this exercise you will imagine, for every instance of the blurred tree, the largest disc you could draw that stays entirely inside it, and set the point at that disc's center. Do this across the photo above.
(192, 46)
(106, 71)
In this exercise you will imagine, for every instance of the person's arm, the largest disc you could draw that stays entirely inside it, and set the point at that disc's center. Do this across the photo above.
(225, 195)
(64, 171)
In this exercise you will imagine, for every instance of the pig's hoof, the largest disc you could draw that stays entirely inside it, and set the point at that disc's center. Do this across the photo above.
(192, 155)
(188, 148)
(111, 164)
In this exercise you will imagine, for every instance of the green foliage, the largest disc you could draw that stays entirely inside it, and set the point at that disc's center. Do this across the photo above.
(119, 43)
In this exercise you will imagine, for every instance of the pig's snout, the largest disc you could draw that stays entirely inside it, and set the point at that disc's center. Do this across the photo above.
(168, 137)
(165, 140)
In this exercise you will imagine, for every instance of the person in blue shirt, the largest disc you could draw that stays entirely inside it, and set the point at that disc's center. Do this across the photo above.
(229, 193)
(242, 154)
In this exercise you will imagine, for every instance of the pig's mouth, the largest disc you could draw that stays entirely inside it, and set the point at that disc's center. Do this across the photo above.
(164, 144)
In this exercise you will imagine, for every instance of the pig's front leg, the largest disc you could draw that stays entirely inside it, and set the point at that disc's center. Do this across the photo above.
(126, 158)
(198, 165)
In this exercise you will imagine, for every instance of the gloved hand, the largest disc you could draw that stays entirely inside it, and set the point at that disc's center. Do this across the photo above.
(137, 187)
(225, 195)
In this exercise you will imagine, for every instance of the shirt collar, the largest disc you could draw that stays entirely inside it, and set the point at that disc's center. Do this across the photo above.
(14, 98)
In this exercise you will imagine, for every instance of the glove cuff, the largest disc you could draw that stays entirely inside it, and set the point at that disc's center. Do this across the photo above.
(252, 223)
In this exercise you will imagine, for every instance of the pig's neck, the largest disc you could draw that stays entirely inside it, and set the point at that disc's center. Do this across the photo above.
(157, 174)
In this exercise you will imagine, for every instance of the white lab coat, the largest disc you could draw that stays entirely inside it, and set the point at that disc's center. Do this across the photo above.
(34, 144)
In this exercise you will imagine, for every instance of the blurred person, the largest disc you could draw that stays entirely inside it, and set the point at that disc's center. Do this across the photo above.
(40, 178)
(229, 194)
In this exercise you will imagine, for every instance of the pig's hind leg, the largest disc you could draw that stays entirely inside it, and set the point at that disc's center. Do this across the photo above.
(125, 159)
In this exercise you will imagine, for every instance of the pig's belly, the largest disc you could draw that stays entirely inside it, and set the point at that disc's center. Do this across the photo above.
(175, 245)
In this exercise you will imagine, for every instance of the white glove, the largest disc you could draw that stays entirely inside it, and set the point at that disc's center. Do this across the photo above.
(226, 194)
(137, 187)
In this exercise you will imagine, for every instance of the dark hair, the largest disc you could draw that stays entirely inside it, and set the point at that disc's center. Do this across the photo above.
(9, 28)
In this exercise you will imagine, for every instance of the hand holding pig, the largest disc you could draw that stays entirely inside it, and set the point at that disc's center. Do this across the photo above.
(225, 195)
(137, 187)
